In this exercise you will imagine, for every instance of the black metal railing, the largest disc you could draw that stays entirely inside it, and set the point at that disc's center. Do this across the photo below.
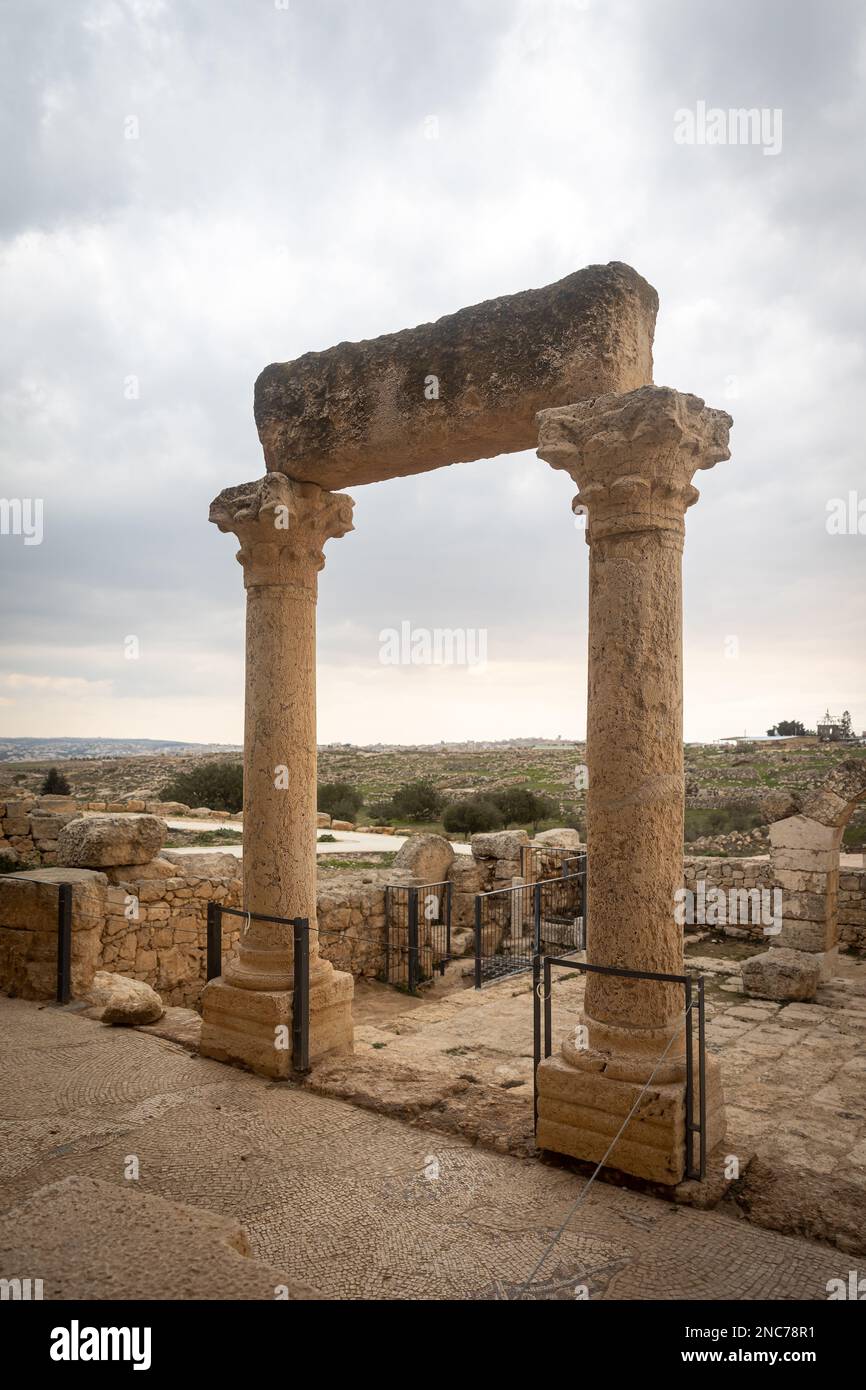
(514, 924)
(417, 933)
(693, 990)
(63, 991)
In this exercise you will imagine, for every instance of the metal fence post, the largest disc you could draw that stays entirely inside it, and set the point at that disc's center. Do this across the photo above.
(536, 1036)
(64, 943)
(702, 1077)
(214, 941)
(448, 890)
(536, 918)
(477, 941)
(301, 995)
(548, 1007)
(413, 941)
(690, 1083)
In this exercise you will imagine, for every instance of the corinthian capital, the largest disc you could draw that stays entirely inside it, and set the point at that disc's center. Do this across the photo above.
(633, 456)
(282, 526)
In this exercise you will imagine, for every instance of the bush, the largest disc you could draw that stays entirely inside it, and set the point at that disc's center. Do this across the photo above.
(418, 801)
(219, 786)
(55, 784)
(470, 817)
(520, 806)
(340, 800)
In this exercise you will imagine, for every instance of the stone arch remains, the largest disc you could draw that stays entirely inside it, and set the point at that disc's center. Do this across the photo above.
(804, 861)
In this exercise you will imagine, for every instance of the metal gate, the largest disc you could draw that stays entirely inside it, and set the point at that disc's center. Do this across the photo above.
(417, 933)
(514, 924)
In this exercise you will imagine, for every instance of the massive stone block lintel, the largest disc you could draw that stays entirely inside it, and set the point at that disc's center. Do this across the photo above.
(465, 387)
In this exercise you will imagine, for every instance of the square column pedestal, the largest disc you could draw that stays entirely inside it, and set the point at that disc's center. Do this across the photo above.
(582, 1106)
(254, 1026)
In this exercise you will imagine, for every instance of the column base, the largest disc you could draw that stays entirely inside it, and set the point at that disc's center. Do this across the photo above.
(581, 1108)
(240, 1025)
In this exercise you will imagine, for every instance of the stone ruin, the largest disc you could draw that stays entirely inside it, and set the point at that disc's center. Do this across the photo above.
(804, 863)
(569, 368)
(140, 910)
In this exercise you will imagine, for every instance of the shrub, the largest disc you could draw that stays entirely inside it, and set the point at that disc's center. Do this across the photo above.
(219, 786)
(340, 800)
(471, 816)
(55, 784)
(418, 801)
(520, 806)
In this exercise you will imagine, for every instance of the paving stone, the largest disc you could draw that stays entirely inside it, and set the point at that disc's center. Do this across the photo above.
(352, 1201)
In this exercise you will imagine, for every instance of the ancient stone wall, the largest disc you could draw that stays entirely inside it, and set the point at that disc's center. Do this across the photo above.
(155, 925)
(149, 922)
(752, 871)
(852, 907)
(351, 916)
(755, 872)
(29, 827)
(28, 930)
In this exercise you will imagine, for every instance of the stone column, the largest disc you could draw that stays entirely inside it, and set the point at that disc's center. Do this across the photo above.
(633, 457)
(282, 527)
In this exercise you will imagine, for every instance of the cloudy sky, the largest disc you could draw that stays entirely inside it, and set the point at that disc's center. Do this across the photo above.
(195, 188)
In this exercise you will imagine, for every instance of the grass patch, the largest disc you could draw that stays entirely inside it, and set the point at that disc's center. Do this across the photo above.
(181, 839)
(350, 862)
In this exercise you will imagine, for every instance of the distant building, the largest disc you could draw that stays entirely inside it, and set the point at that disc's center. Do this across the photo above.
(835, 728)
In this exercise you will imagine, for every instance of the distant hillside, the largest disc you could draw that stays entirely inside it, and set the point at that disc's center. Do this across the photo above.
(17, 750)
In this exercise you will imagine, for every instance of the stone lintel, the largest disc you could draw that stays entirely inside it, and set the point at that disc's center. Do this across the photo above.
(465, 387)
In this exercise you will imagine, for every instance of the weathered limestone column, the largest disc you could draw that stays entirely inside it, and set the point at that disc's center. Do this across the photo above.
(282, 527)
(633, 457)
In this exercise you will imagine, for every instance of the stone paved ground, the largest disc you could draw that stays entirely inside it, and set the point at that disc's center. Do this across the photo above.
(353, 1203)
(794, 1075)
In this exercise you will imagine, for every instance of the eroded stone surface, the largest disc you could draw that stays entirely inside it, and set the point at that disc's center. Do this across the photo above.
(428, 858)
(97, 842)
(108, 1240)
(360, 412)
(782, 974)
(117, 999)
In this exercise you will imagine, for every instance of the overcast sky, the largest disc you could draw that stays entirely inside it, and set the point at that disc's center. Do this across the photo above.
(283, 194)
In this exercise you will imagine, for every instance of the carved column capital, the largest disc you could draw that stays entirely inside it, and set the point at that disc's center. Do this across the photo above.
(633, 456)
(282, 526)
